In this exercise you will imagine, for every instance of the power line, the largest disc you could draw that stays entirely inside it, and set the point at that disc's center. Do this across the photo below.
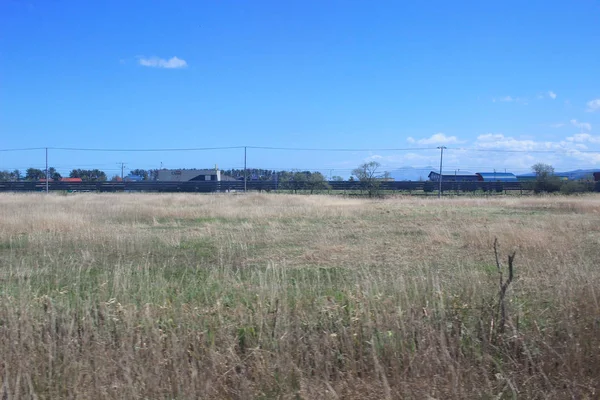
(26, 149)
(145, 150)
(555, 151)
(337, 149)
(558, 151)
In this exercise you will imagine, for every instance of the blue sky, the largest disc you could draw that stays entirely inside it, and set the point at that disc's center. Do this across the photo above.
(473, 75)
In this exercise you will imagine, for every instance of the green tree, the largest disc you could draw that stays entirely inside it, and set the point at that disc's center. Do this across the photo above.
(545, 180)
(8, 176)
(92, 175)
(294, 180)
(337, 178)
(316, 181)
(54, 174)
(153, 174)
(367, 175)
(34, 174)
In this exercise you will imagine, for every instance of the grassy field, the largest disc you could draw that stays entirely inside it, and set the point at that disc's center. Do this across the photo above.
(297, 297)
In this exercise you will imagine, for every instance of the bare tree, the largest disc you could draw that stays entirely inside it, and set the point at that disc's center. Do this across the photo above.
(545, 180)
(543, 171)
(367, 175)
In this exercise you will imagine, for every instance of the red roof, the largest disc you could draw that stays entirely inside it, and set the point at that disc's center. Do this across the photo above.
(72, 180)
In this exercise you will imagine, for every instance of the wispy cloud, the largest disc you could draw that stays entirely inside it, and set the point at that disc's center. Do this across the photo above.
(438, 138)
(510, 99)
(547, 95)
(523, 100)
(581, 125)
(157, 62)
(506, 99)
(593, 105)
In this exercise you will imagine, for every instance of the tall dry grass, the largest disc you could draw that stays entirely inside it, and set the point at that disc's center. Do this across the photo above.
(276, 296)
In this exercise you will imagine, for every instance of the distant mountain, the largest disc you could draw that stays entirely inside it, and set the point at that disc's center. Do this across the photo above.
(415, 174)
(576, 174)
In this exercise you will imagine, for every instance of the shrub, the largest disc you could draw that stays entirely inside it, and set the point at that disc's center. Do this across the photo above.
(571, 187)
(428, 186)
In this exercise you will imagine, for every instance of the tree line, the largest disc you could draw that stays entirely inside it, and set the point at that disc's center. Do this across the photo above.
(368, 174)
(546, 181)
(294, 180)
(36, 174)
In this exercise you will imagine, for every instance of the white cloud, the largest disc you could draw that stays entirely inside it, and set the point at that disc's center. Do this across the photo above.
(593, 105)
(500, 142)
(583, 138)
(438, 138)
(581, 125)
(156, 62)
(561, 153)
(551, 94)
(498, 151)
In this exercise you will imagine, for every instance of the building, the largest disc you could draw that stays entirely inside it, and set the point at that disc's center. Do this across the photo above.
(497, 177)
(133, 178)
(189, 175)
(454, 176)
(228, 178)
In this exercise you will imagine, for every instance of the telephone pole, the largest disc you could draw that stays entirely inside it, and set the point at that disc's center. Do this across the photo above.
(245, 170)
(122, 169)
(441, 163)
(47, 170)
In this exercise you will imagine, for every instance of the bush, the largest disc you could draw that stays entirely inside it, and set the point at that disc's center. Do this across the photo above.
(428, 186)
(547, 185)
(571, 187)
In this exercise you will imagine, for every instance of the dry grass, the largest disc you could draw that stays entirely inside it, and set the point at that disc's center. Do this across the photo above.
(277, 296)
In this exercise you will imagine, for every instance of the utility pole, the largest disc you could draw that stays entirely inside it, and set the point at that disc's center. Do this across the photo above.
(455, 180)
(122, 169)
(441, 163)
(47, 170)
(245, 170)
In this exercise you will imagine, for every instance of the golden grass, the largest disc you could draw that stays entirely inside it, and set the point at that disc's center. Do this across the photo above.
(281, 296)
